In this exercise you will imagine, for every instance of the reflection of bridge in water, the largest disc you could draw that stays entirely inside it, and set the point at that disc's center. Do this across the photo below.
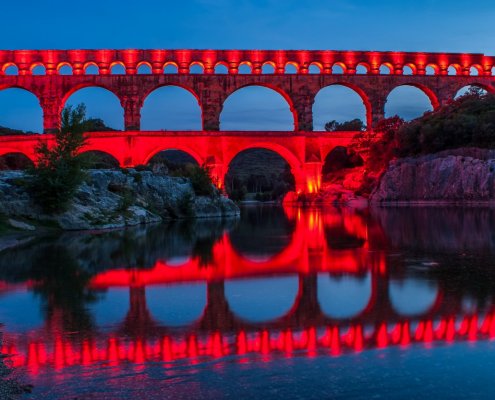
(314, 266)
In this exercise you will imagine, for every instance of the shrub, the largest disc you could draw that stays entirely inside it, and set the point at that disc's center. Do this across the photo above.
(59, 173)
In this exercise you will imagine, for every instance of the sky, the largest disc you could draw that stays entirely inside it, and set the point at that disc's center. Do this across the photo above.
(428, 25)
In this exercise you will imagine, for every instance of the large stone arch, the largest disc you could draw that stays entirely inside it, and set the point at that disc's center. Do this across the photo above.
(29, 91)
(152, 89)
(68, 92)
(285, 95)
(179, 147)
(359, 91)
(430, 93)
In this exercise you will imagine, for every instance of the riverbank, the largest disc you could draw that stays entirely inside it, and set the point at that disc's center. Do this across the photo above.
(110, 199)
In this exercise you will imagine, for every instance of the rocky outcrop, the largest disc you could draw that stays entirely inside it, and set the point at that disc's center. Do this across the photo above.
(454, 176)
(113, 199)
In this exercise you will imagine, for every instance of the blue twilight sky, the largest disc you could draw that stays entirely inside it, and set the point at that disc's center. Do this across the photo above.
(428, 25)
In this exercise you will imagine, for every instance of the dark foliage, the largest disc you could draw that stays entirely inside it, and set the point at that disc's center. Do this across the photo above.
(58, 173)
(353, 125)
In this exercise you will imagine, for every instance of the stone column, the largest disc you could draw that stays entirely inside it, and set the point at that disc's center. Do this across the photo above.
(132, 112)
(211, 102)
(303, 107)
(52, 108)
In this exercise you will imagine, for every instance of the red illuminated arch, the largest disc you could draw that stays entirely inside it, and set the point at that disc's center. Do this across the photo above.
(435, 103)
(86, 85)
(275, 89)
(188, 150)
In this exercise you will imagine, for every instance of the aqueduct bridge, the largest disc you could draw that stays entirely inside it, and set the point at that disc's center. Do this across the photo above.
(211, 76)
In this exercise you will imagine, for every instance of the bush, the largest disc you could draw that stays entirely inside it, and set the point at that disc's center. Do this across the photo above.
(59, 173)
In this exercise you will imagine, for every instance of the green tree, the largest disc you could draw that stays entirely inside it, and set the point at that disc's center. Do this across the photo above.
(59, 172)
(353, 125)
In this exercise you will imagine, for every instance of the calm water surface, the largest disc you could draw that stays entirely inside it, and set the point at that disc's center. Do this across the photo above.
(284, 303)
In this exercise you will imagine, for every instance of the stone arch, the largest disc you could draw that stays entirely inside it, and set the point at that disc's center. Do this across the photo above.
(271, 87)
(10, 69)
(291, 67)
(38, 69)
(96, 111)
(429, 93)
(409, 69)
(363, 68)
(100, 159)
(185, 149)
(362, 94)
(34, 110)
(315, 68)
(170, 68)
(221, 68)
(476, 70)
(64, 68)
(339, 68)
(462, 89)
(386, 69)
(117, 68)
(291, 159)
(432, 69)
(268, 68)
(454, 69)
(196, 67)
(91, 68)
(154, 90)
(245, 68)
(14, 160)
(144, 68)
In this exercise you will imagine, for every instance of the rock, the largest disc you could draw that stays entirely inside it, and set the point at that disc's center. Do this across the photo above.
(113, 199)
(20, 225)
(443, 177)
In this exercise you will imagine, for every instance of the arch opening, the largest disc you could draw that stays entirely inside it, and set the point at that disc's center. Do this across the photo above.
(21, 112)
(144, 69)
(413, 296)
(268, 68)
(170, 68)
(386, 69)
(409, 102)
(38, 69)
(431, 70)
(15, 162)
(196, 68)
(65, 69)
(171, 108)
(337, 105)
(91, 69)
(257, 108)
(453, 69)
(174, 160)
(291, 68)
(221, 69)
(409, 69)
(245, 68)
(11, 69)
(97, 159)
(117, 68)
(259, 174)
(338, 69)
(315, 68)
(362, 69)
(103, 109)
(471, 89)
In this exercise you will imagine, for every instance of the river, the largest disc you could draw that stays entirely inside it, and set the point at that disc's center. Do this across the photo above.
(289, 303)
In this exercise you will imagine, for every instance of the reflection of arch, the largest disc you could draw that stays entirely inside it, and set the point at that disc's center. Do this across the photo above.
(177, 305)
(344, 297)
(268, 86)
(111, 308)
(262, 300)
(157, 95)
(413, 297)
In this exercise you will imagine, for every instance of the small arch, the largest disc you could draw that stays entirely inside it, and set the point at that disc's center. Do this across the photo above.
(170, 68)
(38, 69)
(315, 68)
(409, 69)
(117, 68)
(64, 69)
(10, 69)
(91, 68)
(432, 69)
(171, 107)
(221, 68)
(410, 101)
(475, 70)
(362, 69)
(15, 161)
(291, 68)
(338, 68)
(386, 69)
(268, 68)
(98, 159)
(144, 68)
(245, 68)
(257, 107)
(454, 69)
(196, 68)
(493, 71)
